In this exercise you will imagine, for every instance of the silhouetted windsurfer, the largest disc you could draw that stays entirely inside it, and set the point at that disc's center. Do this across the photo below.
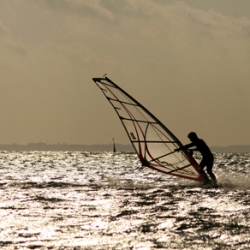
(208, 158)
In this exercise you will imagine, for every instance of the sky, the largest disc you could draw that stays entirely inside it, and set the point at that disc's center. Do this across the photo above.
(186, 61)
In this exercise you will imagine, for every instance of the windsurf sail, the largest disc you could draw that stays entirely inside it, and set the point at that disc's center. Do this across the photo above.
(154, 143)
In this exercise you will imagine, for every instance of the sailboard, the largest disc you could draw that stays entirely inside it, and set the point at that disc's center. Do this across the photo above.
(153, 142)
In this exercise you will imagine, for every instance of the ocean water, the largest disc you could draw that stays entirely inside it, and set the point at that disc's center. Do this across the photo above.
(101, 200)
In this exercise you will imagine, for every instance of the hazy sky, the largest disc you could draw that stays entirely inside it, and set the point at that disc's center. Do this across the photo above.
(186, 61)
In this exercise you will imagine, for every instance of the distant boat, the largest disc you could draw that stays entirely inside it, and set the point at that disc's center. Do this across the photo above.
(114, 148)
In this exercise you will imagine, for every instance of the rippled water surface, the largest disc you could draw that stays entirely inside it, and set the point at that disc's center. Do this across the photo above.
(86, 200)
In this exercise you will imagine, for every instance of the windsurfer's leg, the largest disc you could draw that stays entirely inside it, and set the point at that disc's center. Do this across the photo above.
(201, 167)
(209, 171)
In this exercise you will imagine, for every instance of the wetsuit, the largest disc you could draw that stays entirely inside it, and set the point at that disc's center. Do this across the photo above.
(207, 160)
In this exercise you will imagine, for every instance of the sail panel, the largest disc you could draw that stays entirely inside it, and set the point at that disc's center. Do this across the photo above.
(129, 111)
(154, 143)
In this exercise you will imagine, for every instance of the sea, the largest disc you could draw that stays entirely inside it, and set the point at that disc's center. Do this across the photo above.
(105, 200)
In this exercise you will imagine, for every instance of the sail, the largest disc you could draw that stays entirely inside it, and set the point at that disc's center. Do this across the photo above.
(154, 143)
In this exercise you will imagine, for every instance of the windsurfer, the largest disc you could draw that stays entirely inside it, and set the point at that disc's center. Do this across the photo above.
(208, 158)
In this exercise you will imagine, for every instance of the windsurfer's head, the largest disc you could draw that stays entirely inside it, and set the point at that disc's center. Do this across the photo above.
(192, 136)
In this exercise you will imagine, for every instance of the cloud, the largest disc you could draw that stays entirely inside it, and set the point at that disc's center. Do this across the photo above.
(146, 17)
(3, 30)
(18, 48)
(9, 43)
(80, 7)
(199, 46)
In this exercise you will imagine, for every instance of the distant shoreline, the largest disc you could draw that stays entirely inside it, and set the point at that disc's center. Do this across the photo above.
(232, 149)
(40, 146)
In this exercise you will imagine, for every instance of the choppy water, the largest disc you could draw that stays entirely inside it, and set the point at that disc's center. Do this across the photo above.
(84, 200)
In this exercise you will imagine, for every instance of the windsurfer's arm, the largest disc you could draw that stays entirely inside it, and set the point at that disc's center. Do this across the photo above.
(185, 147)
(195, 149)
